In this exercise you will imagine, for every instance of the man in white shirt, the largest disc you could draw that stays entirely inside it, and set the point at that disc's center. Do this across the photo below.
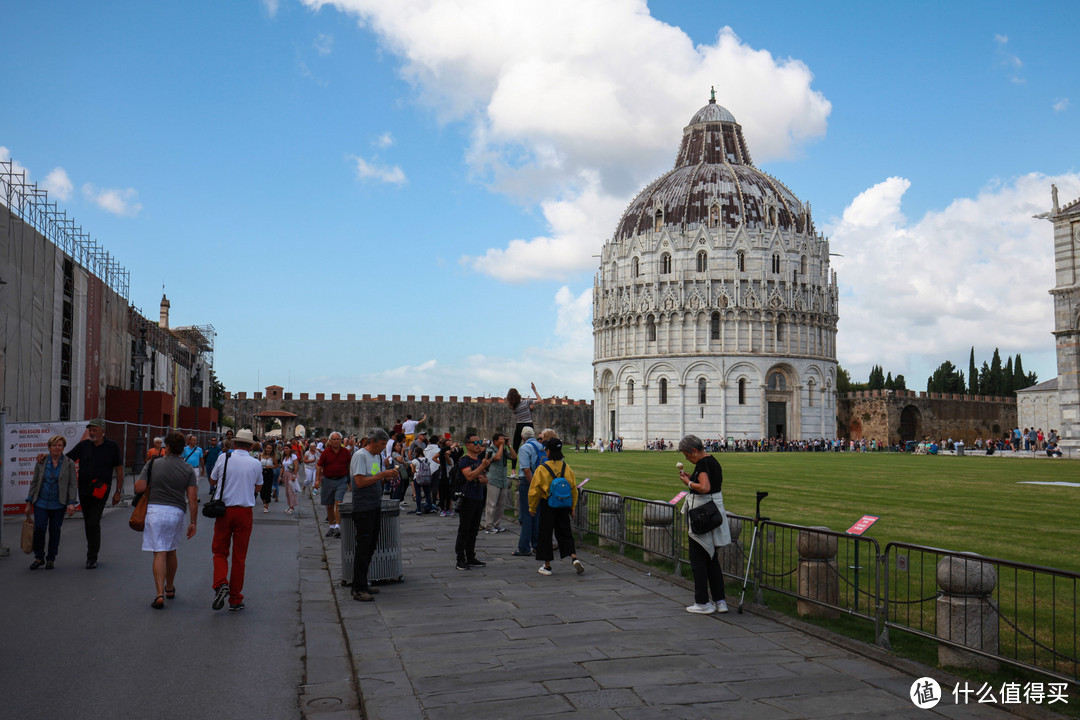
(409, 428)
(238, 479)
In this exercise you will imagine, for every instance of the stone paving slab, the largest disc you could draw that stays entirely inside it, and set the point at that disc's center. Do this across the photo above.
(615, 643)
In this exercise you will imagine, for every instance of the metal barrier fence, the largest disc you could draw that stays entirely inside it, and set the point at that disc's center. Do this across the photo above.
(980, 610)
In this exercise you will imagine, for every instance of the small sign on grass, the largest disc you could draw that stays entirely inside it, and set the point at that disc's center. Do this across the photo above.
(862, 525)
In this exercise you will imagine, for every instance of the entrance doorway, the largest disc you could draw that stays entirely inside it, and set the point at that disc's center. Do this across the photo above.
(612, 426)
(777, 419)
(909, 423)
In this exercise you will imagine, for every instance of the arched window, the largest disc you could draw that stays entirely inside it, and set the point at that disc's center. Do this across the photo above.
(776, 262)
(702, 388)
(742, 391)
(780, 330)
(714, 326)
(702, 261)
(663, 391)
(810, 392)
(777, 381)
(629, 392)
(650, 329)
(740, 256)
(714, 216)
(658, 221)
(665, 264)
(802, 266)
(614, 272)
(772, 217)
(634, 267)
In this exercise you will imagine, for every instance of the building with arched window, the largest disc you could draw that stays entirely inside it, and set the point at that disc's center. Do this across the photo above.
(725, 320)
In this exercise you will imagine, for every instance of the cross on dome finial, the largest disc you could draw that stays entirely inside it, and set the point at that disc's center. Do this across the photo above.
(712, 94)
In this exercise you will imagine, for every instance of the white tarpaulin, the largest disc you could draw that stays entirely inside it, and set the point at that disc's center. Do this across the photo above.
(23, 442)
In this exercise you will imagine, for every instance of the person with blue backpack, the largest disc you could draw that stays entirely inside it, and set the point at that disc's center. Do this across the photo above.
(553, 496)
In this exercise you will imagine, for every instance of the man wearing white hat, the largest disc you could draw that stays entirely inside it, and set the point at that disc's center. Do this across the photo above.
(237, 478)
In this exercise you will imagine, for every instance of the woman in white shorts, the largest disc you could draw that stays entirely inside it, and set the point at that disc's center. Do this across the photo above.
(311, 459)
(173, 489)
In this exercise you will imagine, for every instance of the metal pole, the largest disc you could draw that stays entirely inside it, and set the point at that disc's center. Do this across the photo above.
(5, 551)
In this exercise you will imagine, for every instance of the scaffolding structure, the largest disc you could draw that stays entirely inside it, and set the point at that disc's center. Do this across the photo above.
(31, 204)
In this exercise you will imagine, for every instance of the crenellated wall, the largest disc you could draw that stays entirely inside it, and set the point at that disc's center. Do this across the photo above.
(349, 413)
(890, 417)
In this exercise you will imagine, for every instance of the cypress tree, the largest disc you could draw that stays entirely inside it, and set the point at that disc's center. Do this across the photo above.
(1019, 378)
(1007, 379)
(996, 381)
(984, 380)
(973, 374)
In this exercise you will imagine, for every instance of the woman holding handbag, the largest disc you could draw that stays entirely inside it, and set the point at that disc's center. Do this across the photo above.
(289, 466)
(703, 484)
(172, 490)
(55, 487)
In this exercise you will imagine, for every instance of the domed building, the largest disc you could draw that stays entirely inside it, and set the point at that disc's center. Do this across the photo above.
(714, 308)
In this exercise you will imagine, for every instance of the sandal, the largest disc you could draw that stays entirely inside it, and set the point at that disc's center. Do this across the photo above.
(170, 593)
(159, 602)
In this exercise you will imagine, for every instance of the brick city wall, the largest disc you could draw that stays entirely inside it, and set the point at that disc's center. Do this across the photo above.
(320, 413)
(889, 417)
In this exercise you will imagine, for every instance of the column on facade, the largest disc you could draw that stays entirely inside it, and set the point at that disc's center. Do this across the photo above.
(723, 408)
(682, 410)
(763, 414)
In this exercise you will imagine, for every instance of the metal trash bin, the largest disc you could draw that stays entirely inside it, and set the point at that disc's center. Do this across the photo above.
(386, 562)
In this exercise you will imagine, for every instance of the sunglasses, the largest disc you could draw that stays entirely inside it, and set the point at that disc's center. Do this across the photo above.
(475, 442)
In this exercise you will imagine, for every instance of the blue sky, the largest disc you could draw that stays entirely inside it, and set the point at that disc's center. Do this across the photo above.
(406, 197)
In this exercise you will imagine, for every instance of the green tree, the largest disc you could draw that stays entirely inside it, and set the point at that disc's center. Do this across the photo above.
(899, 383)
(946, 380)
(996, 384)
(217, 393)
(843, 379)
(1020, 378)
(1006, 389)
(984, 379)
(877, 379)
(973, 374)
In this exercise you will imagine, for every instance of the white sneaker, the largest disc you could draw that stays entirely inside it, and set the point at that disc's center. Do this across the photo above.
(578, 566)
(721, 607)
(698, 609)
(544, 570)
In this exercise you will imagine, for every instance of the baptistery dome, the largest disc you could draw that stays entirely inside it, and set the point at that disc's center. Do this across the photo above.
(714, 309)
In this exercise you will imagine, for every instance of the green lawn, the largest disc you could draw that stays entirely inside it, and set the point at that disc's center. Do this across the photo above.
(969, 503)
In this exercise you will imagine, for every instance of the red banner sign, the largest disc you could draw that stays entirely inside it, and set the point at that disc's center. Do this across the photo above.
(863, 525)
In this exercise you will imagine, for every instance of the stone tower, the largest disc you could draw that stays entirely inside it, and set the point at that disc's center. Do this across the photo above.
(714, 308)
(1066, 294)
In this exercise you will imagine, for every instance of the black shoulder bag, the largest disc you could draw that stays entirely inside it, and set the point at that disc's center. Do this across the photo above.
(704, 518)
(216, 508)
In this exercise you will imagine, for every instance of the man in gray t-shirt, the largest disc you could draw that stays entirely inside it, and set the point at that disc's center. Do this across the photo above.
(501, 453)
(366, 477)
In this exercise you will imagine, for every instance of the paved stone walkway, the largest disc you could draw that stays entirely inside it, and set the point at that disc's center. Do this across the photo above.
(615, 643)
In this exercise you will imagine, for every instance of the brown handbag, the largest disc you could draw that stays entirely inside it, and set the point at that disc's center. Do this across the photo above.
(27, 540)
(137, 522)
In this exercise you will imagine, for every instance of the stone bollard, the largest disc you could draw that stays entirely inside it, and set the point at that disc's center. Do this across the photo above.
(658, 531)
(966, 613)
(732, 559)
(818, 576)
(611, 520)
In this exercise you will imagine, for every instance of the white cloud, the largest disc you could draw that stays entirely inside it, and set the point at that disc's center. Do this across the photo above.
(560, 365)
(324, 44)
(114, 200)
(16, 166)
(974, 274)
(1009, 61)
(577, 106)
(383, 173)
(271, 7)
(385, 140)
(1060, 104)
(58, 184)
